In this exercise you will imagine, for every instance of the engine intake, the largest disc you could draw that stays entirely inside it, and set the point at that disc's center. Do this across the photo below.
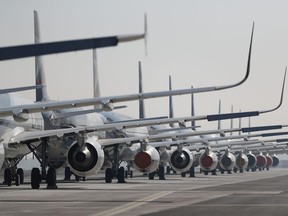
(181, 161)
(208, 160)
(87, 159)
(241, 161)
(269, 161)
(146, 160)
(227, 161)
(261, 161)
(251, 161)
(276, 161)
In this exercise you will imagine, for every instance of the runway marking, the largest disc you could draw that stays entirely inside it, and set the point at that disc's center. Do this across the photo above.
(133, 204)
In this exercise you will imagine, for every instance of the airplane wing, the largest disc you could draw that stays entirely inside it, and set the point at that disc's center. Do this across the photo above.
(22, 51)
(24, 88)
(107, 103)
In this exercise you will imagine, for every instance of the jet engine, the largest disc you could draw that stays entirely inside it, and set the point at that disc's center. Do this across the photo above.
(251, 160)
(2, 156)
(86, 159)
(269, 161)
(181, 159)
(275, 161)
(208, 160)
(261, 161)
(241, 161)
(146, 159)
(227, 160)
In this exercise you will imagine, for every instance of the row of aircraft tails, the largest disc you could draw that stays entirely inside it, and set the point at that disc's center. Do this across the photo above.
(62, 134)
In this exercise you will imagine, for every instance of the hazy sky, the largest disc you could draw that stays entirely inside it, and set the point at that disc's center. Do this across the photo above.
(199, 43)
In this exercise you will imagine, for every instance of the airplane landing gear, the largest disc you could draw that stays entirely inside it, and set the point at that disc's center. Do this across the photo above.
(12, 174)
(36, 175)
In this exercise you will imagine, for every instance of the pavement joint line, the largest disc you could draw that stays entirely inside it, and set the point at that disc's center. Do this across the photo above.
(134, 204)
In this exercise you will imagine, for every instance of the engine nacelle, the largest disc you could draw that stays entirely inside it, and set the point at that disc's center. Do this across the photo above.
(2, 156)
(276, 161)
(181, 161)
(87, 159)
(261, 161)
(208, 160)
(251, 160)
(269, 161)
(241, 161)
(146, 160)
(227, 161)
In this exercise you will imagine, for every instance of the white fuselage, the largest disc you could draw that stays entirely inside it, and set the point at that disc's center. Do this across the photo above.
(9, 128)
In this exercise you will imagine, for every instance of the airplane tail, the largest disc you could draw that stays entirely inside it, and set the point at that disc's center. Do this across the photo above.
(41, 93)
(231, 122)
(192, 110)
(171, 110)
(141, 101)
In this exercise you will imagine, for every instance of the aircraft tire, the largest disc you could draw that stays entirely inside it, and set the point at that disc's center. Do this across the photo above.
(121, 175)
(67, 174)
(108, 175)
(161, 172)
(168, 170)
(183, 174)
(151, 176)
(8, 176)
(51, 178)
(35, 178)
(20, 172)
(17, 179)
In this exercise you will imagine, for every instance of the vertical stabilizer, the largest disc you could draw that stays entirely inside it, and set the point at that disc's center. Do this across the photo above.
(41, 93)
(192, 110)
(171, 111)
(219, 112)
(141, 101)
(231, 122)
(96, 85)
(249, 124)
(240, 124)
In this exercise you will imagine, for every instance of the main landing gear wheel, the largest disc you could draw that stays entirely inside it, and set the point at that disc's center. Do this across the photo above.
(183, 174)
(8, 176)
(121, 175)
(161, 173)
(20, 172)
(151, 175)
(108, 175)
(51, 178)
(17, 179)
(67, 174)
(168, 170)
(35, 178)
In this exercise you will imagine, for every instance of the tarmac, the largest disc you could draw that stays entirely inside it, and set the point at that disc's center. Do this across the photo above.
(249, 193)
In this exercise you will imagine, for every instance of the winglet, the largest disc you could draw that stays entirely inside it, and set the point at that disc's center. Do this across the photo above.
(127, 38)
(281, 98)
(248, 66)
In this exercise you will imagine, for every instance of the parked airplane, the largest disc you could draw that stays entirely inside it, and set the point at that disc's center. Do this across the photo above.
(85, 154)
